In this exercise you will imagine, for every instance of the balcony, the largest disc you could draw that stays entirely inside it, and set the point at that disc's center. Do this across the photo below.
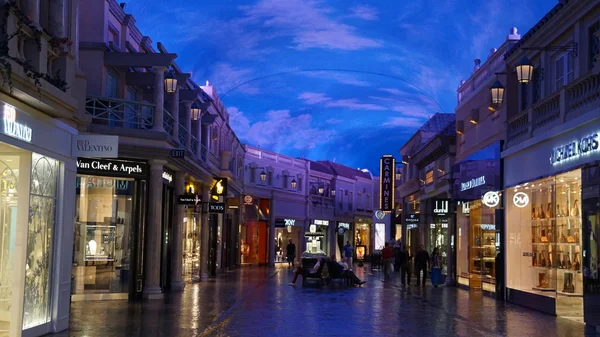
(123, 116)
(571, 101)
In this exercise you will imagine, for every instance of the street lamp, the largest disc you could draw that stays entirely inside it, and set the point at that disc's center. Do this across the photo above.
(170, 82)
(263, 176)
(333, 192)
(321, 189)
(293, 183)
(196, 110)
(524, 70)
(497, 91)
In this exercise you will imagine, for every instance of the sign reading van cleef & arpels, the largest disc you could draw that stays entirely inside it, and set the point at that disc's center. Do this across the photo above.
(387, 167)
(189, 199)
(113, 168)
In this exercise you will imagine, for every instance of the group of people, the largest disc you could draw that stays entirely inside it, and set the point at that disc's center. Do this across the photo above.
(423, 263)
(340, 268)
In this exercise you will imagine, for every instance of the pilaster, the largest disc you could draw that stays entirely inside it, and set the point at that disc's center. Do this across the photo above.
(152, 289)
(174, 110)
(159, 98)
(187, 122)
(177, 283)
(204, 235)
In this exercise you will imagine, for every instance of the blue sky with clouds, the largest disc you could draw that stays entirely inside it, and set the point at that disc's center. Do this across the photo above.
(418, 51)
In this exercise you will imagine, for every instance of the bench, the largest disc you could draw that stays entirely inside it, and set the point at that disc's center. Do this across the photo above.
(324, 277)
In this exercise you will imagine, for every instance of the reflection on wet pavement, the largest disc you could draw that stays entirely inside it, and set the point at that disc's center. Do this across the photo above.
(258, 302)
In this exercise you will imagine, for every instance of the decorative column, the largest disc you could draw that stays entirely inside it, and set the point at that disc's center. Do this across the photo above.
(198, 133)
(177, 283)
(153, 235)
(159, 98)
(187, 123)
(32, 10)
(56, 18)
(204, 234)
(272, 232)
(174, 109)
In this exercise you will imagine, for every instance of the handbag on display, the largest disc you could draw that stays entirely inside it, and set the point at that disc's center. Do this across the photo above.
(576, 236)
(563, 238)
(575, 209)
(543, 283)
(576, 263)
(543, 238)
(568, 287)
(549, 211)
(533, 215)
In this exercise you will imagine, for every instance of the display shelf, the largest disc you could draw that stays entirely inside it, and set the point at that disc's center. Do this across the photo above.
(568, 294)
(544, 289)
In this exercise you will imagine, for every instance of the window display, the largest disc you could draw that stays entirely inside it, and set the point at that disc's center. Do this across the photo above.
(484, 243)
(544, 233)
(363, 236)
(191, 245)
(438, 238)
(104, 211)
(42, 202)
(282, 238)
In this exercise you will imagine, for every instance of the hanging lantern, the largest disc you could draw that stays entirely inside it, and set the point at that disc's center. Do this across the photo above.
(293, 183)
(497, 91)
(524, 70)
(196, 111)
(170, 82)
(263, 176)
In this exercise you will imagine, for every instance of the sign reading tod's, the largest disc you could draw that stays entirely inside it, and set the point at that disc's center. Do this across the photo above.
(387, 167)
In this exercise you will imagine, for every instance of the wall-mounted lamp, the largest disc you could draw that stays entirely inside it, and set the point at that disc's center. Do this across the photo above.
(293, 183)
(263, 176)
(170, 82)
(404, 162)
(196, 111)
(333, 192)
(321, 189)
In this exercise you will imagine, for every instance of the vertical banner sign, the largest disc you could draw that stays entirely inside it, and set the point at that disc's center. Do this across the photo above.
(387, 167)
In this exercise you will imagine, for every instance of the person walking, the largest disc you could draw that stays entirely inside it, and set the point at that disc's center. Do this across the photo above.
(387, 254)
(402, 262)
(422, 262)
(290, 254)
(436, 268)
(349, 254)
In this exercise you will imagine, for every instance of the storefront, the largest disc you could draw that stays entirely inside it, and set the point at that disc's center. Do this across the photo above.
(439, 217)
(109, 225)
(552, 194)
(344, 234)
(254, 232)
(286, 230)
(413, 223)
(37, 197)
(479, 221)
(317, 237)
(381, 228)
(192, 219)
(362, 236)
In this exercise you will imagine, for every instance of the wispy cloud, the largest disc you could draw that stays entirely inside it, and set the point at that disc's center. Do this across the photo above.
(403, 122)
(314, 97)
(364, 12)
(339, 77)
(353, 104)
(279, 130)
(334, 121)
(226, 76)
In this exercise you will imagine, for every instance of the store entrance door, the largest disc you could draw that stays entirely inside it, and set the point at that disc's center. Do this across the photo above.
(167, 230)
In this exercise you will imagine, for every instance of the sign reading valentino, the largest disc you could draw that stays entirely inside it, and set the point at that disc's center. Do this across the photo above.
(117, 168)
(13, 128)
(95, 146)
(387, 166)
(574, 150)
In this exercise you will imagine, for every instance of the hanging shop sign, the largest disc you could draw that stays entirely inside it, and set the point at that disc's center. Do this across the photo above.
(216, 207)
(412, 219)
(248, 200)
(521, 199)
(95, 146)
(409, 227)
(472, 183)
(219, 188)
(491, 199)
(321, 222)
(466, 207)
(188, 199)
(115, 168)
(387, 167)
(379, 215)
(574, 150)
(441, 207)
(342, 227)
(13, 128)
(167, 177)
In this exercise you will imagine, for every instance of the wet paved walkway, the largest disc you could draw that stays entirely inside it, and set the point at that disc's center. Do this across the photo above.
(258, 302)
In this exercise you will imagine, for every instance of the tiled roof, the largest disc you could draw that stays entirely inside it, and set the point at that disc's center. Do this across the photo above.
(346, 171)
(321, 167)
(537, 27)
(438, 122)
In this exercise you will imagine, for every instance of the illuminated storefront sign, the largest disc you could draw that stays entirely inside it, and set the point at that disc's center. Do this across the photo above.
(575, 149)
(167, 177)
(14, 129)
(322, 222)
(387, 166)
(521, 199)
(491, 199)
(472, 183)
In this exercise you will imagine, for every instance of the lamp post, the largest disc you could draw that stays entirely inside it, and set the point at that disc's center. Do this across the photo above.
(170, 82)
(196, 111)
